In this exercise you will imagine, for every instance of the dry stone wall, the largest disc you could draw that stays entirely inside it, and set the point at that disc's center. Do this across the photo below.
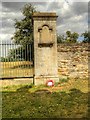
(73, 60)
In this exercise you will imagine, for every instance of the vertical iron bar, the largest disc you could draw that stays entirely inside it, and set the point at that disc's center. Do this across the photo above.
(9, 57)
(1, 70)
(25, 60)
(10, 66)
(8, 60)
(15, 62)
(5, 60)
(30, 58)
(28, 61)
(20, 59)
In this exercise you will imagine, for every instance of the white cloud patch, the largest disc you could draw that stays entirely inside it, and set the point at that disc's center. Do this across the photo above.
(5, 38)
(12, 15)
(71, 15)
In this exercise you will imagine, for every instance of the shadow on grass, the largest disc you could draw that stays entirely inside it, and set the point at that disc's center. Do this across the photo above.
(25, 88)
(44, 104)
(37, 91)
(41, 90)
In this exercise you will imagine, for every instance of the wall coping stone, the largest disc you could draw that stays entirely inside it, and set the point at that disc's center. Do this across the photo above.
(44, 14)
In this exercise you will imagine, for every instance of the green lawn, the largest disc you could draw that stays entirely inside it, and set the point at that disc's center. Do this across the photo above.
(43, 103)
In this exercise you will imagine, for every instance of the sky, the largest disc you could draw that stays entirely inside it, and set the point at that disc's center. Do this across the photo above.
(72, 15)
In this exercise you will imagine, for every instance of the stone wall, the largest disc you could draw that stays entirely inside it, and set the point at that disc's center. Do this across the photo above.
(11, 82)
(73, 60)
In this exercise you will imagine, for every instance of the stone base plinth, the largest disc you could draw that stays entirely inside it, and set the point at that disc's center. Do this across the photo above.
(41, 80)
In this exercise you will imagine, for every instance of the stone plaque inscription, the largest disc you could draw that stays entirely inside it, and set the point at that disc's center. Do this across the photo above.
(45, 35)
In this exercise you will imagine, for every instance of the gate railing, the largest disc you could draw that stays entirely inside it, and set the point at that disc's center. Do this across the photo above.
(16, 61)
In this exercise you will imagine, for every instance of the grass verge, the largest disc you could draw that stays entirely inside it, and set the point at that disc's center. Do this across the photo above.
(40, 102)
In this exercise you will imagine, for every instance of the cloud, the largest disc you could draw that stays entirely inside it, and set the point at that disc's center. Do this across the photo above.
(40, 6)
(68, 26)
(71, 15)
(5, 38)
(7, 23)
(12, 6)
(55, 6)
(80, 8)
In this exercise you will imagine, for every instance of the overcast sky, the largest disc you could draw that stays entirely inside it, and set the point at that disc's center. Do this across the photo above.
(71, 15)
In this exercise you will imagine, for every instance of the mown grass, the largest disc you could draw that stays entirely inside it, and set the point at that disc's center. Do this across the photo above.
(42, 103)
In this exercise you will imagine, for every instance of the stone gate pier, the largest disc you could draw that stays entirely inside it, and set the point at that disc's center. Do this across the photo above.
(45, 47)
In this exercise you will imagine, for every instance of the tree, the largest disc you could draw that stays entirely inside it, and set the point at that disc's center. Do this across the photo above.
(68, 38)
(71, 37)
(2, 59)
(24, 30)
(20, 53)
(15, 54)
(86, 36)
(60, 39)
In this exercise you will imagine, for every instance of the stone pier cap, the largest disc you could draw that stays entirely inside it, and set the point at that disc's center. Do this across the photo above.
(44, 14)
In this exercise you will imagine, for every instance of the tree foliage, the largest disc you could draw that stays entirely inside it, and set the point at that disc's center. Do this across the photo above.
(24, 30)
(86, 36)
(71, 37)
(21, 53)
(68, 37)
(60, 39)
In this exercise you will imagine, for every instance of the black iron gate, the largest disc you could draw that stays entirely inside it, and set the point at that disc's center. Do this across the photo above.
(16, 61)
